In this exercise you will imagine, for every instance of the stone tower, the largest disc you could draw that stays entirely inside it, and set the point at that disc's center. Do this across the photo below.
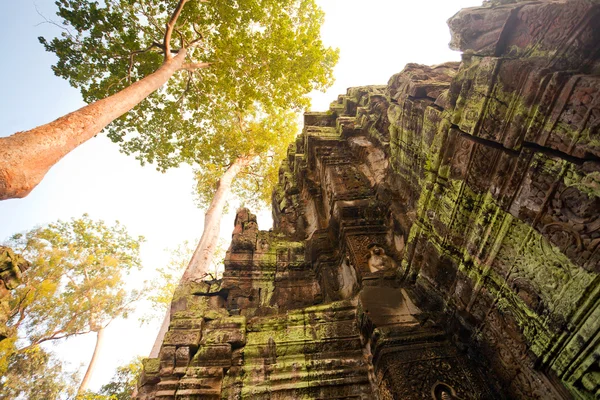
(434, 238)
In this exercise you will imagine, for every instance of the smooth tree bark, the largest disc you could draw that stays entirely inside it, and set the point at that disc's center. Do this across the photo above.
(203, 255)
(90, 369)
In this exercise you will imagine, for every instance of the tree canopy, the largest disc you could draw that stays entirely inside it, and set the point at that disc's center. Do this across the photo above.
(121, 386)
(124, 381)
(74, 285)
(164, 283)
(75, 282)
(35, 374)
(263, 56)
(261, 139)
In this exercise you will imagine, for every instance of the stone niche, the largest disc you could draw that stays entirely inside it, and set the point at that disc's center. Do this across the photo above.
(434, 238)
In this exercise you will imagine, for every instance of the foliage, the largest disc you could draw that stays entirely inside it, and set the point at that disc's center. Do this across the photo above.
(262, 138)
(89, 395)
(124, 381)
(588, 183)
(75, 282)
(121, 385)
(264, 55)
(162, 287)
(35, 374)
(217, 267)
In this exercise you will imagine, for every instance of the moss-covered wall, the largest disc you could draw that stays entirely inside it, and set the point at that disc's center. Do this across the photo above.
(436, 237)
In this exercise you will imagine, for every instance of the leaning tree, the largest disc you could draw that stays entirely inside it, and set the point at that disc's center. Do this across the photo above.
(144, 63)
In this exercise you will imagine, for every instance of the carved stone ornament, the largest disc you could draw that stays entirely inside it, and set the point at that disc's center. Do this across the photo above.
(437, 237)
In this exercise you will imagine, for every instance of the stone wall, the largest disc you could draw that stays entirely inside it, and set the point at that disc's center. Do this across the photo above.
(434, 238)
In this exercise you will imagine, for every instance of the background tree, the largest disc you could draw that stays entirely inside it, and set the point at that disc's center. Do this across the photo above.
(124, 382)
(35, 374)
(162, 286)
(241, 156)
(245, 52)
(75, 283)
(121, 386)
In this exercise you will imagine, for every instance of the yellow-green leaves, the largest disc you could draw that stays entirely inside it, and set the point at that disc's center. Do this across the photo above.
(34, 374)
(123, 383)
(75, 282)
(260, 137)
(161, 288)
(264, 54)
(73, 286)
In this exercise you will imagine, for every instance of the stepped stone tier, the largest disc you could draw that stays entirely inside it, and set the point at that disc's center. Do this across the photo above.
(437, 237)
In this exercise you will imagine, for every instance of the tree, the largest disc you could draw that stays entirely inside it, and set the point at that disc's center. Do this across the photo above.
(121, 386)
(161, 288)
(124, 382)
(242, 156)
(75, 283)
(229, 55)
(247, 146)
(35, 374)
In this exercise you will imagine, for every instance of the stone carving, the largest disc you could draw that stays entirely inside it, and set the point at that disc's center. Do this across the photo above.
(442, 391)
(245, 232)
(378, 260)
(358, 246)
(434, 238)
(421, 368)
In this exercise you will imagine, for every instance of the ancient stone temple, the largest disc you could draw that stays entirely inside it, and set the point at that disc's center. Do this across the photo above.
(434, 238)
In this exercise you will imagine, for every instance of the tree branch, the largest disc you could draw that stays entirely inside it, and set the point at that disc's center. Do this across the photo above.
(54, 336)
(240, 121)
(169, 28)
(181, 38)
(49, 21)
(252, 174)
(195, 28)
(194, 42)
(187, 88)
(134, 53)
(194, 66)
(139, 11)
(152, 20)
(20, 310)
(198, 39)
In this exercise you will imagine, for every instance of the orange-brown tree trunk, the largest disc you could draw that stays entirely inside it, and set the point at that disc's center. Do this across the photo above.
(203, 255)
(25, 157)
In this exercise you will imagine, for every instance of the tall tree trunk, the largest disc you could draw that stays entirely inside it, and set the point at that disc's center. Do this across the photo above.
(203, 255)
(25, 157)
(90, 369)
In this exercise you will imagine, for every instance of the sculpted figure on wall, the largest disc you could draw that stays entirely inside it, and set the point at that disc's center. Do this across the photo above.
(378, 260)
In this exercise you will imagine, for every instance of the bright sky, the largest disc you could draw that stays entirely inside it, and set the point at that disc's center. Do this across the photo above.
(376, 38)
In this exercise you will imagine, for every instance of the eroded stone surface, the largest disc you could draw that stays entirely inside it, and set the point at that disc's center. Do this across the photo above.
(436, 237)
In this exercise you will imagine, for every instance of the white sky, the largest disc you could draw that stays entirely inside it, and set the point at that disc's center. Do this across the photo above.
(376, 38)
